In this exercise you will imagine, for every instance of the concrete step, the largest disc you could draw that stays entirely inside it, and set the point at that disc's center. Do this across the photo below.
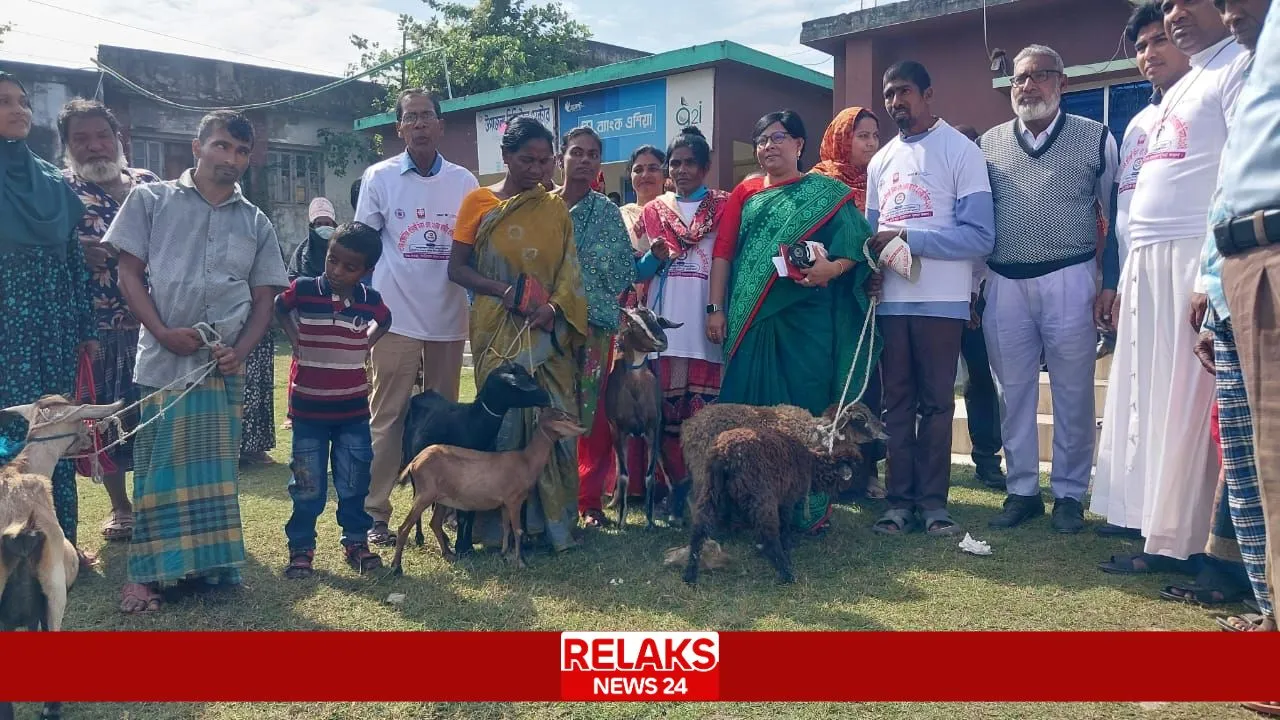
(1044, 403)
(960, 444)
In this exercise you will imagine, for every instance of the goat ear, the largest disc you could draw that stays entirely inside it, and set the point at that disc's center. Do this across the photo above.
(23, 410)
(95, 412)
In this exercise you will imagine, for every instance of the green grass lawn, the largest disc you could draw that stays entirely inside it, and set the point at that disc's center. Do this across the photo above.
(850, 580)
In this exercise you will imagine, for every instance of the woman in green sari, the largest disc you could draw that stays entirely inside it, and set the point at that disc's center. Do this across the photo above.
(513, 248)
(791, 341)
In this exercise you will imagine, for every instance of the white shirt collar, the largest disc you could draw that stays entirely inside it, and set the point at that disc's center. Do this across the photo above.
(1203, 57)
(1035, 141)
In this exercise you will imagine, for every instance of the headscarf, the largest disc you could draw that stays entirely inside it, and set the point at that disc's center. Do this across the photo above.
(834, 153)
(37, 207)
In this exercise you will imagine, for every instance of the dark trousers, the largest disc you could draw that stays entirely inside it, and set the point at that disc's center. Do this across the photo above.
(317, 446)
(918, 368)
(981, 400)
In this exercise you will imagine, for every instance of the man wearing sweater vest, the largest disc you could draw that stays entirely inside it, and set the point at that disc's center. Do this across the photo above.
(1156, 443)
(1049, 170)
(928, 186)
(413, 199)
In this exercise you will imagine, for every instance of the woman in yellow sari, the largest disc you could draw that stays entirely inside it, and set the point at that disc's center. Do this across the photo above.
(514, 250)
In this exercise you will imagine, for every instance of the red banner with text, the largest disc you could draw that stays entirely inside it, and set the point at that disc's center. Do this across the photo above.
(642, 666)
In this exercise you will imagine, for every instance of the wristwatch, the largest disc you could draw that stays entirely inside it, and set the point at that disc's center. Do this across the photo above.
(713, 309)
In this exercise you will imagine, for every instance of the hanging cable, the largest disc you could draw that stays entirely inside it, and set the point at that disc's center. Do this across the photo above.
(260, 105)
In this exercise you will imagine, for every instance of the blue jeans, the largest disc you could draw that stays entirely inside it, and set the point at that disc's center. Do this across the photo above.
(315, 445)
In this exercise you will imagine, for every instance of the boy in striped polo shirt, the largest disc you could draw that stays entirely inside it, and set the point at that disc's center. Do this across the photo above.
(328, 321)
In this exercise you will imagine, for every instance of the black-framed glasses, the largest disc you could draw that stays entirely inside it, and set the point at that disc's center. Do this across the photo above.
(1038, 77)
(776, 138)
(412, 118)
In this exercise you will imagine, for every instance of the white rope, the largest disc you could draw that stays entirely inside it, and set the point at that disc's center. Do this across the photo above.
(211, 338)
(867, 333)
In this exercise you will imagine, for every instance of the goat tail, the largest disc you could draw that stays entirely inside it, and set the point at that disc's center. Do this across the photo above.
(406, 476)
(21, 539)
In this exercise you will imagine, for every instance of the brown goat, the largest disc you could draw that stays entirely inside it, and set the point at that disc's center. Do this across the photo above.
(858, 426)
(37, 562)
(762, 474)
(633, 402)
(473, 480)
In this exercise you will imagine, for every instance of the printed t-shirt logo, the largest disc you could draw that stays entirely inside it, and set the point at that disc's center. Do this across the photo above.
(427, 239)
(1131, 164)
(399, 214)
(905, 201)
(692, 263)
(1170, 140)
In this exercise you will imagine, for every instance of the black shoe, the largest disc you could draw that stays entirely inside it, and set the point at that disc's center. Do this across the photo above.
(993, 478)
(1116, 531)
(1068, 515)
(1017, 510)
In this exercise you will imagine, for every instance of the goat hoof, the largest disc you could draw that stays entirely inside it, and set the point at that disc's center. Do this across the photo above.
(786, 578)
(397, 570)
(690, 578)
(449, 557)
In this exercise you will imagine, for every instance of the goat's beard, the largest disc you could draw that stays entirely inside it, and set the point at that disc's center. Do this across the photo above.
(1036, 110)
(100, 171)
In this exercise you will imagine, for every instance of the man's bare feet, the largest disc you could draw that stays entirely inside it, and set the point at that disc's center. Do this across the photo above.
(136, 598)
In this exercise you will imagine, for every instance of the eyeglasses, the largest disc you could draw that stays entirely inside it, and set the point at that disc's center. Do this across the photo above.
(412, 118)
(1038, 77)
(777, 138)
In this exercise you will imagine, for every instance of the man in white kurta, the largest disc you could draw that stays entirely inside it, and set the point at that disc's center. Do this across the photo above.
(1162, 65)
(1157, 411)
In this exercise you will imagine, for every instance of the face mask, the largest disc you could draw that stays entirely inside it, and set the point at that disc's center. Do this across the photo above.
(325, 232)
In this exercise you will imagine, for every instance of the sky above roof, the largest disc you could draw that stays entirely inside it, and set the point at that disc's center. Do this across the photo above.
(312, 35)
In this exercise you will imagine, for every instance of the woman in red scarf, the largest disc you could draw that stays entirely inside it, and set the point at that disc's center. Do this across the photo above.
(850, 141)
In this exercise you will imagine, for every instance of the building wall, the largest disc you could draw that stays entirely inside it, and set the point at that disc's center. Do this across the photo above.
(745, 94)
(954, 52)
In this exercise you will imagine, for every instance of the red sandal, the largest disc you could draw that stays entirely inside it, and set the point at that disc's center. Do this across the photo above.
(299, 564)
(362, 559)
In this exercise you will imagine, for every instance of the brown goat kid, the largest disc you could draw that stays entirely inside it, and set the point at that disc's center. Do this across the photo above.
(633, 404)
(858, 426)
(473, 480)
(37, 562)
(761, 474)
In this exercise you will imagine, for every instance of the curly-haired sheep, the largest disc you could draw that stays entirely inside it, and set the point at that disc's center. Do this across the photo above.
(858, 426)
(761, 474)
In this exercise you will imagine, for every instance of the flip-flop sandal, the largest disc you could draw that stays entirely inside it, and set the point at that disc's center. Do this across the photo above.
(381, 535)
(595, 519)
(938, 523)
(1244, 622)
(363, 560)
(894, 522)
(1202, 596)
(1270, 709)
(1128, 564)
(117, 526)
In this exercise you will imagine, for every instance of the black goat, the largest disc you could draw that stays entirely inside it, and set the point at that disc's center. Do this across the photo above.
(434, 420)
(633, 403)
(23, 604)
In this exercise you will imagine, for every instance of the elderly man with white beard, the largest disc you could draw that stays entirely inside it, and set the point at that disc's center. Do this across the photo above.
(1049, 170)
(98, 173)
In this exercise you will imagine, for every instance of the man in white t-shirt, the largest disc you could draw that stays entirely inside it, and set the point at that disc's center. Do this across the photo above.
(413, 198)
(1162, 64)
(1157, 469)
(928, 186)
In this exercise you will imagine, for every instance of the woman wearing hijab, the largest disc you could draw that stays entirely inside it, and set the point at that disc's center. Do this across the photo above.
(46, 316)
(850, 142)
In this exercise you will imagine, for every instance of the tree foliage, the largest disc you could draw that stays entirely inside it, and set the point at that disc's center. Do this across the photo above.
(493, 44)
(4, 28)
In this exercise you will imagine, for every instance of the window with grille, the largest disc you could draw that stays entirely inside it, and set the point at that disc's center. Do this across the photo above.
(294, 178)
(1115, 105)
(149, 155)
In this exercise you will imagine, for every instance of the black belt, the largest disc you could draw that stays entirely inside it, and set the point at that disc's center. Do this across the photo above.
(1244, 233)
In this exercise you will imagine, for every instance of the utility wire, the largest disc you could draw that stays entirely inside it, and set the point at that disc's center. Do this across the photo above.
(260, 105)
(179, 39)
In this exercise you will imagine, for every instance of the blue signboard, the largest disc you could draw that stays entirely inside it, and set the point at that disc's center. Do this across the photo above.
(625, 117)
